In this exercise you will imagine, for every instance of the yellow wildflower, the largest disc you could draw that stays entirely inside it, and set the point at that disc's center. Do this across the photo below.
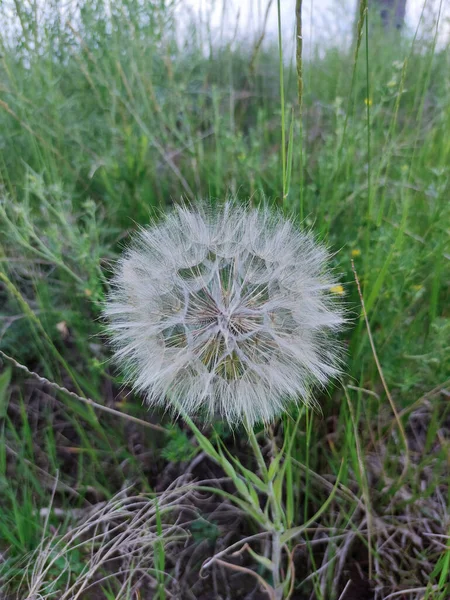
(356, 252)
(337, 289)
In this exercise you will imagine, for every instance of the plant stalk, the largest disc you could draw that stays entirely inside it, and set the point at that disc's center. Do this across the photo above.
(276, 561)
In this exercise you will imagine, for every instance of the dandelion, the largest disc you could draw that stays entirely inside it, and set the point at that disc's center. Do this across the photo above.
(356, 252)
(224, 312)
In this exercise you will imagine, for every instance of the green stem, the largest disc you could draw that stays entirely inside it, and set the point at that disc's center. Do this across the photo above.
(283, 118)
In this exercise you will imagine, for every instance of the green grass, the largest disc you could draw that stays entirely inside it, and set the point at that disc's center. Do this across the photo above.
(102, 129)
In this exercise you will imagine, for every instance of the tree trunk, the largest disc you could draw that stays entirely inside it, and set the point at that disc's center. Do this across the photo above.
(392, 12)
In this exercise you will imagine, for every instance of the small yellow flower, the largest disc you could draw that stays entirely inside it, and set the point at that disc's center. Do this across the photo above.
(337, 289)
(356, 252)
(368, 101)
(88, 292)
(417, 288)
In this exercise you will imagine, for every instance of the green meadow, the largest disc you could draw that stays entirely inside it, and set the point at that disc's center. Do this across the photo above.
(107, 119)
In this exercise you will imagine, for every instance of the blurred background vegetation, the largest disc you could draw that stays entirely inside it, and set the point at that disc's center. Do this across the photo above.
(108, 116)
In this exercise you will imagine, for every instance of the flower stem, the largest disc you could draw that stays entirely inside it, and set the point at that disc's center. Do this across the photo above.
(276, 561)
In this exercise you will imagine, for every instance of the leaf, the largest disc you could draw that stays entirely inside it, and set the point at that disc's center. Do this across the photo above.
(275, 465)
(274, 469)
(230, 471)
(254, 479)
(294, 531)
(5, 379)
(202, 440)
(263, 560)
(254, 495)
(179, 448)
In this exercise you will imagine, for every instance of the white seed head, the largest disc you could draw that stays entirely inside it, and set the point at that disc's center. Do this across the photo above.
(224, 311)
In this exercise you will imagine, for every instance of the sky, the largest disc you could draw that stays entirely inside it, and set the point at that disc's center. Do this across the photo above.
(325, 22)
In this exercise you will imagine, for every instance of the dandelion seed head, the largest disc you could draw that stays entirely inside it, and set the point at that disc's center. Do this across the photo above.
(224, 312)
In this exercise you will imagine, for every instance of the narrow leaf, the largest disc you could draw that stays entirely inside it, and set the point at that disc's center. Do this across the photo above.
(5, 379)
(294, 531)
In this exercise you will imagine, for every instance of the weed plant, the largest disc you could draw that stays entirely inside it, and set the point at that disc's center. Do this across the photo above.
(107, 118)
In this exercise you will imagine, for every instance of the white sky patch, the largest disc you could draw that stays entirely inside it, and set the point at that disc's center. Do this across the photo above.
(326, 23)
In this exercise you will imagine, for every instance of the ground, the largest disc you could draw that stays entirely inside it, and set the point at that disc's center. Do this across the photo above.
(106, 121)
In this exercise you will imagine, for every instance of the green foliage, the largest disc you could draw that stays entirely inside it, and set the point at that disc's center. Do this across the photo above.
(204, 529)
(5, 379)
(179, 448)
(107, 119)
